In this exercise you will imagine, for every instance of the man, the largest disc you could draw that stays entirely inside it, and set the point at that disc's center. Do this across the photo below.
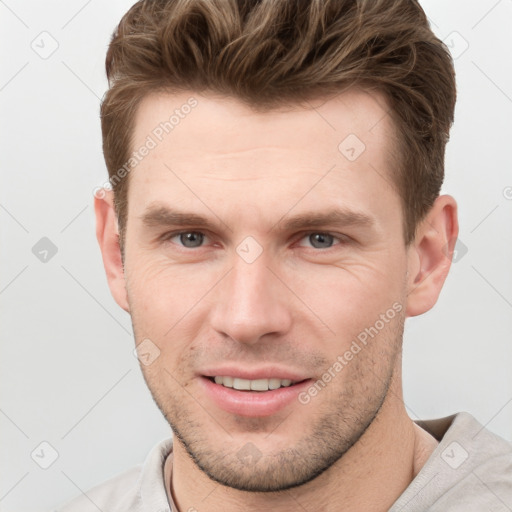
(275, 217)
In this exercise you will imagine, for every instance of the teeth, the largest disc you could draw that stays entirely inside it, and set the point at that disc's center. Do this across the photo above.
(259, 385)
(242, 384)
(274, 383)
(252, 385)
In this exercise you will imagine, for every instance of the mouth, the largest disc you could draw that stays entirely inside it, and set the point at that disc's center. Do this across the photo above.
(259, 385)
(256, 397)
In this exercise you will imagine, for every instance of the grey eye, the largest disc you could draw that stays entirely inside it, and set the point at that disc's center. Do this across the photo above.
(191, 239)
(321, 240)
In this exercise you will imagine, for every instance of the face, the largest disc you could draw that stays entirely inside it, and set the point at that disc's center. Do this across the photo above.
(265, 250)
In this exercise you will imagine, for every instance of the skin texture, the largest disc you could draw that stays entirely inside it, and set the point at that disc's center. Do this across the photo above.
(297, 306)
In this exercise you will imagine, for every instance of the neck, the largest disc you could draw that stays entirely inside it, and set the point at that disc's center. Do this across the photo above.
(370, 476)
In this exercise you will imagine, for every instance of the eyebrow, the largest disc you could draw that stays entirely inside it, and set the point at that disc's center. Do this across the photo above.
(339, 217)
(163, 216)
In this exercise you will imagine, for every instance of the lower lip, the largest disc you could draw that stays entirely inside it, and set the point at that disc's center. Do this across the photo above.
(252, 403)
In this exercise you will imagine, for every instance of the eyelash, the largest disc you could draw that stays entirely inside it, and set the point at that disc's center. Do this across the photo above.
(341, 239)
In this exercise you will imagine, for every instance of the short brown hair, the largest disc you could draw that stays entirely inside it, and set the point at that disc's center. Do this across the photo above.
(270, 52)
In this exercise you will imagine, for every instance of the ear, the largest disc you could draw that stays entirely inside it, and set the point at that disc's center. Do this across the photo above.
(430, 255)
(107, 233)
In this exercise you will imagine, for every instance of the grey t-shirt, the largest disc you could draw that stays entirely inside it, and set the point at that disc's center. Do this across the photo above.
(469, 471)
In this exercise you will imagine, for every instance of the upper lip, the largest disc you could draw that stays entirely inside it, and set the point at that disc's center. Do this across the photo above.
(267, 372)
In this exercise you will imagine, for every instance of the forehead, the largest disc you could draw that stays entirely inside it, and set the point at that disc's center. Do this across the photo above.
(204, 147)
(222, 123)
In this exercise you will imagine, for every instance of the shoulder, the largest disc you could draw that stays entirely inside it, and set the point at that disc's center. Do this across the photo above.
(114, 491)
(480, 463)
(134, 489)
(470, 470)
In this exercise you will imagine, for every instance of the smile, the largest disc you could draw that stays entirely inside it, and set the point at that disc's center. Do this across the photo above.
(252, 385)
(256, 397)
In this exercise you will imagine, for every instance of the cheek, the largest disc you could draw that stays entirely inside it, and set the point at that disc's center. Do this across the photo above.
(161, 290)
(168, 304)
(349, 296)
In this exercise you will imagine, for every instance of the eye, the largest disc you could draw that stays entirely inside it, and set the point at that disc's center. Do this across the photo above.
(319, 240)
(189, 239)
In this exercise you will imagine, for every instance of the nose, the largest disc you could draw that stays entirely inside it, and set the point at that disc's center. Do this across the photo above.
(251, 303)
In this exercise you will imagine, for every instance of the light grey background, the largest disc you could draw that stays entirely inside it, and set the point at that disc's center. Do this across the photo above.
(68, 374)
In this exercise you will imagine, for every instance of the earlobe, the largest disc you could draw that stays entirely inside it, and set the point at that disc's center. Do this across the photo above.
(107, 234)
(430, 255)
